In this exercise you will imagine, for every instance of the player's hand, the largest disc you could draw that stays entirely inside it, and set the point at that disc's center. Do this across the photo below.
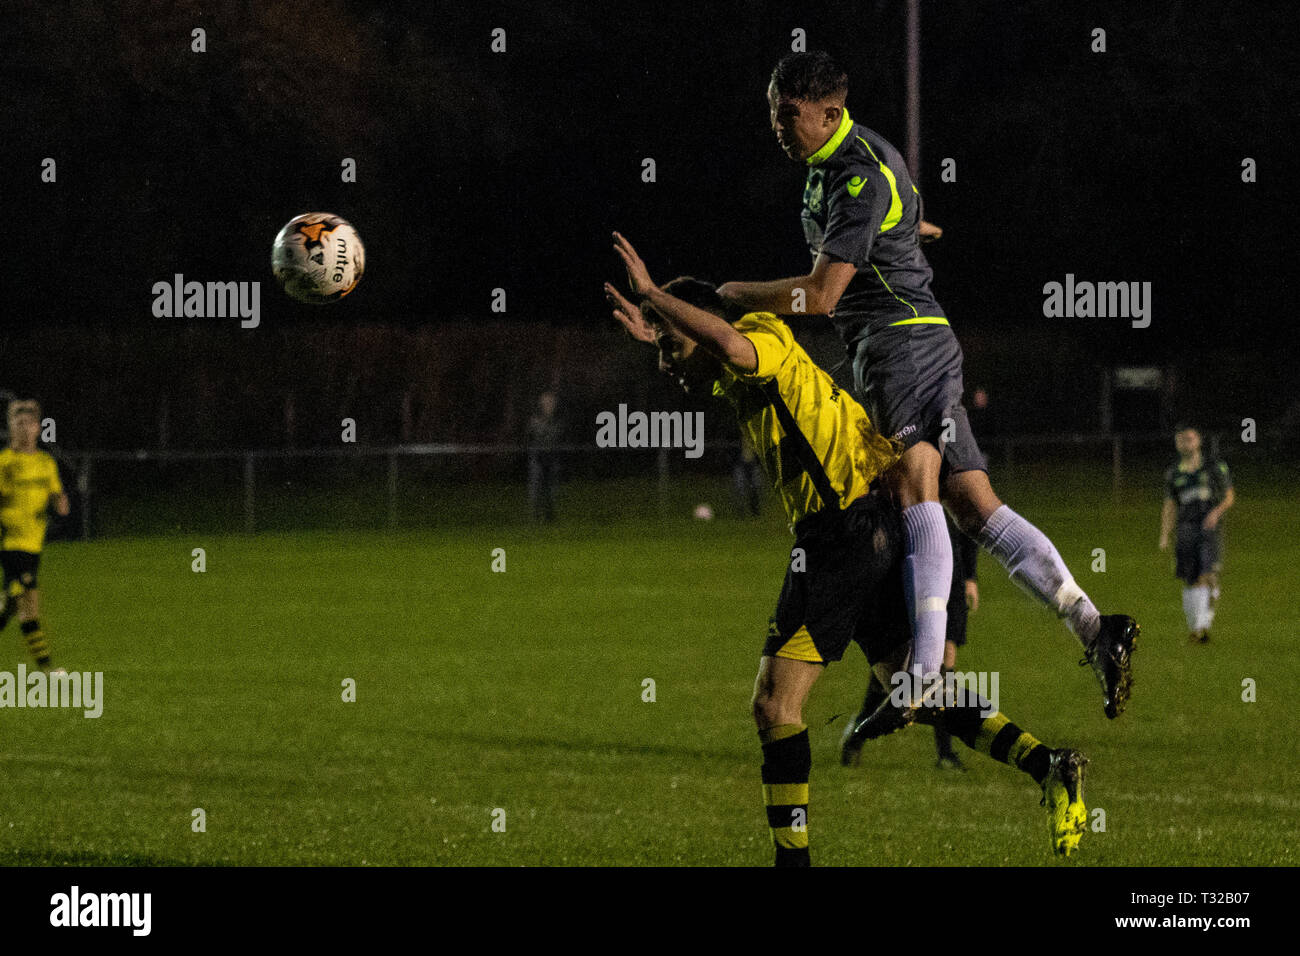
(1210, 522)
(638, 276)
(972, 596)
(61, 506)
(629, 315)
(1164, 542)
(928, 231)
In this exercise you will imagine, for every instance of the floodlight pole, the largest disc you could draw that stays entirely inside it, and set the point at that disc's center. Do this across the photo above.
(914, 88)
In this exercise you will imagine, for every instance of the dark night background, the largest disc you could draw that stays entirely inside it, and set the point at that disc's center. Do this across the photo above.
(479, 170)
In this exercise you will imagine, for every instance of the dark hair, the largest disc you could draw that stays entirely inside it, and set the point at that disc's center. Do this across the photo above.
(811, 77)
(1185, 427)
(702, 295)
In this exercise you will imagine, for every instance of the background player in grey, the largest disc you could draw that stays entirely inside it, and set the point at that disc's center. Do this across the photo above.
(861, 216)
(544, 429)
(1197, 493)
(963, 600)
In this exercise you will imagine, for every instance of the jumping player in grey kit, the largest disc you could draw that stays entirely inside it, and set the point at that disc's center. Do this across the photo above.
(861, 215)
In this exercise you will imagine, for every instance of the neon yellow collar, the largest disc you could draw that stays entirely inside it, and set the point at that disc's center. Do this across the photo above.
(833, 143)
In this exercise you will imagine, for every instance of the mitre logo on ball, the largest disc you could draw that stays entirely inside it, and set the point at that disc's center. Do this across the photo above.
(318, 258)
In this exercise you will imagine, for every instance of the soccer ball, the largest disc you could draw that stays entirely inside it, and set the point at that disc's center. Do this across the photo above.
(318, 258)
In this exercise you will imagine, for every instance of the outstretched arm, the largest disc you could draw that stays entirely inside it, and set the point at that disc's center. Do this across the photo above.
(629, 315)
(713, 334)
(816, 293)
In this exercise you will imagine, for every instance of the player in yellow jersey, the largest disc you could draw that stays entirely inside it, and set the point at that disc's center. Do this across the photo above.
(844, 582)
(29, 485)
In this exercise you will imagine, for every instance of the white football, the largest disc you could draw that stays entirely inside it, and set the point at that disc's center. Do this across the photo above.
(318, 258)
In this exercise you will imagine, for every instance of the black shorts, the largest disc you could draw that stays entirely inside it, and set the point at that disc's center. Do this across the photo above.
(909, 378)
(1196, 552)
(957, 612)
(850, 587)
(20, 566)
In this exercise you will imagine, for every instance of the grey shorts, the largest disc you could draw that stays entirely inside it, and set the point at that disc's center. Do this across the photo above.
(909, 379)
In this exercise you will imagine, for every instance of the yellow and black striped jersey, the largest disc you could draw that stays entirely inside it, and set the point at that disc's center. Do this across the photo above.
(814, 439)
(28, 480)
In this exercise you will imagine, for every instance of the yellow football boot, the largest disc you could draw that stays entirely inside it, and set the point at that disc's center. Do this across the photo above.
(1067, 817)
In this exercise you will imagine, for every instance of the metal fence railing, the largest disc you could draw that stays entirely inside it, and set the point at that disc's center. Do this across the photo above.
(155, 491)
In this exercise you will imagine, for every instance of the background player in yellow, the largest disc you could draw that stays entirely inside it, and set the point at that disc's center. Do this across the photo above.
(29, 484)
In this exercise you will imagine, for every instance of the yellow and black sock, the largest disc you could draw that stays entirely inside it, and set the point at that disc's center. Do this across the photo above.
(787, 762)
(999, 738)
(36, 645)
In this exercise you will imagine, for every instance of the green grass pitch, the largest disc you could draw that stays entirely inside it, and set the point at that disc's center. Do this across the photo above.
(523, 691)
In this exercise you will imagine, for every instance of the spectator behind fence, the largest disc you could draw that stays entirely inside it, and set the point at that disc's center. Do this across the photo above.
(747, 479)
(983, 422)
(6, 397)
(544, 433)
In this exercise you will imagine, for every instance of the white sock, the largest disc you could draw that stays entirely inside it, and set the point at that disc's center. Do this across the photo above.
(927, 582)
(1206, 609)
(1189, 608)
(1034, 563)
(1200, 607)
